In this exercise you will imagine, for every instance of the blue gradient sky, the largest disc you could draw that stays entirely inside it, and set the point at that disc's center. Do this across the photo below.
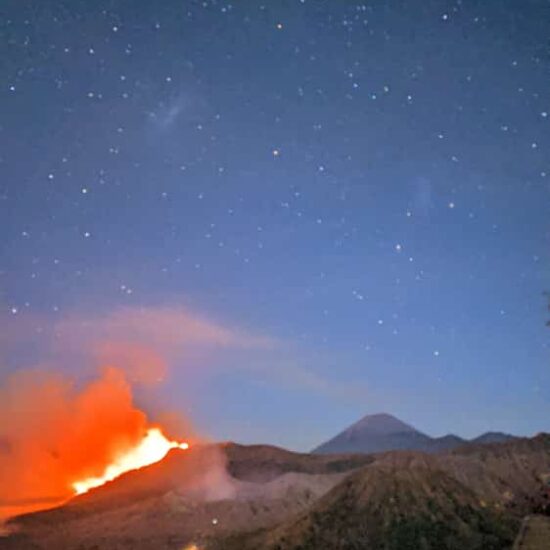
(358, 193)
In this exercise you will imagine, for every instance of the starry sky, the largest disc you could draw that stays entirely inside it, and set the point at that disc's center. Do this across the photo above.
(311, 209)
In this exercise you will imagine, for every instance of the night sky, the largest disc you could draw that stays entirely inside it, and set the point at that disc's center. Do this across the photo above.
(312, 209)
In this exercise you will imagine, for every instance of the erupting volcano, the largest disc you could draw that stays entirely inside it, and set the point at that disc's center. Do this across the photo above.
(59, 437)
(153, 447)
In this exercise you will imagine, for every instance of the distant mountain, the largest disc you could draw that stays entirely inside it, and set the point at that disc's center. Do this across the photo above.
(445, 443)
(375, 433)
(383, 432)
(493, 437)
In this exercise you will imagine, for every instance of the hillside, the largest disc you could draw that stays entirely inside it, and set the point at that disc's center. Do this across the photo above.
(385, 507)
(232, 496)
(534, 534)
(207, 491)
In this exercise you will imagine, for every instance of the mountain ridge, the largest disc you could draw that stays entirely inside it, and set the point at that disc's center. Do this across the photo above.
(383, 432)
(229, 496)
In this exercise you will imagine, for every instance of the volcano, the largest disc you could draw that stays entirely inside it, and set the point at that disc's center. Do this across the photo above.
(383, 432)
(229, 496)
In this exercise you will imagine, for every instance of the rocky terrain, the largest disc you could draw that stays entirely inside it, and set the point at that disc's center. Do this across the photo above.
(252, 497)
(534, 534)
(393, 508)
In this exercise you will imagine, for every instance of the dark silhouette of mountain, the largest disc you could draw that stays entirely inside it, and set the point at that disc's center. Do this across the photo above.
(383, 432)
(445, 443)
(493, 437)
(375, 433)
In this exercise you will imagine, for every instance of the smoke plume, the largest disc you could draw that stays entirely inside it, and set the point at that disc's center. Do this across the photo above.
(53, 433)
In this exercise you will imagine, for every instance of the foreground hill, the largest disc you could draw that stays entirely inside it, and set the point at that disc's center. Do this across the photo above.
(231, 496)
(208, 491)
(468, 499)
(387, 507)
(383, 432)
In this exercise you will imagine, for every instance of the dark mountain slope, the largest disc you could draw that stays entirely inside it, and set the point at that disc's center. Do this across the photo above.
(492, 437)
(208, 468)
(388, 507)
(207, 490)
(376, 433)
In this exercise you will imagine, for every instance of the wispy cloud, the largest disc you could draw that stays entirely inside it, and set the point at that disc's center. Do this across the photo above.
(147, 337)
(298, 374)
(166, 328)
(144, 341)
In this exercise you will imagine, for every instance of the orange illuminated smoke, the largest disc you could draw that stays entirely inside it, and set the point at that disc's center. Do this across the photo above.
(153, 447)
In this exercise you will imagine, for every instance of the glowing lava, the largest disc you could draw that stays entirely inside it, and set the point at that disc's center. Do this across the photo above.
(153, 447)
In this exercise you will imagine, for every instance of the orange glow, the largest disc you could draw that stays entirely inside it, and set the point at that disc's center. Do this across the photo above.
(153, 447)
